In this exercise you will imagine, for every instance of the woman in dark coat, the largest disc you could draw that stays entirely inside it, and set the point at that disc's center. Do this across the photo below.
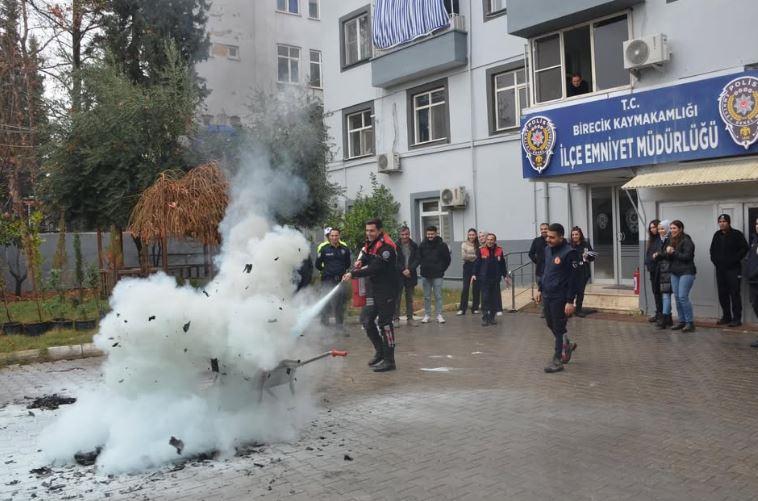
(587, 255)
(664, 276)
(653, 246)
(681, 253)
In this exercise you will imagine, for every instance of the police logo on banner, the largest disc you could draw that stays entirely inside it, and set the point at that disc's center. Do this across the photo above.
(738, 106)
(538, 141)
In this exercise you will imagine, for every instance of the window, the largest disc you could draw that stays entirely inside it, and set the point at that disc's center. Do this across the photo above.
(493, 8)
(227, 51)
(508, 97)
(431, 214)
(315, 67)
(428, 114)
(288, 64)
(355, 35)
(313, 9)
(593, 51)
(233, 52)
(290, 6)
(358, 137)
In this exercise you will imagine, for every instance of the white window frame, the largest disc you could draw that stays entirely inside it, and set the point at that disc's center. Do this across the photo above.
(516, 87)
(429, 107)
(439, 214)
(533, 70)
(291, 60)
(491, 8)
(311, 63)
(356, 20)
(366, 150)
(318, 9)
(229, 49)
(286, 8)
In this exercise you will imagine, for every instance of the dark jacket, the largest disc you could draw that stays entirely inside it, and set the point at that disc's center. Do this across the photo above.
(413, 261)
(379, 263)
(537, 255)
(559, 279)
(662, 264)
(683, 258)
(728, 249)
(434, 258)
(490, 265)
(751, 264)
(333, 262)
(651, 264)
(584, 266)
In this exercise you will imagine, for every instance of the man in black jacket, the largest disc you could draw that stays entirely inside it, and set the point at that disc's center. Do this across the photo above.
(378, 261)
(557, 291)
(333, 260)
(407, 262)
(434, 258)
(751, 274)
(728, 248)
(537, 252)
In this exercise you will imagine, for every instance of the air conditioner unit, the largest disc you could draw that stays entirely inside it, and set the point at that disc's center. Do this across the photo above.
(644, 52)
(388, 162)
(454, 197)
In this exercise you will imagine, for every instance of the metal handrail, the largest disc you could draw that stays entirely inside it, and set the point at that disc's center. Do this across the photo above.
(513, 284)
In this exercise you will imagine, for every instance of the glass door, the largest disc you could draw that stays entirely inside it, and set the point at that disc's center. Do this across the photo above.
(615, 235)
(603, 234)
(628, 236)
(751, 214)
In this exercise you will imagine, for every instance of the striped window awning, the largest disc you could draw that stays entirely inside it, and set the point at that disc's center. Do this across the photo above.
(401, 21)
(737, 171)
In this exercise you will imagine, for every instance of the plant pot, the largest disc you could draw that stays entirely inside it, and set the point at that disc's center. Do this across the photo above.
(85, 325)
(13, 328)
(62, 323)
(37, 328)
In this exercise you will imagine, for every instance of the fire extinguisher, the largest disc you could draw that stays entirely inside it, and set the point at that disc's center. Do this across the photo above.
(359, 289)
(637, 281)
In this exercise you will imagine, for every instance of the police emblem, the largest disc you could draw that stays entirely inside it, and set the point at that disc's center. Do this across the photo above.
(538, 141)
(738, 107)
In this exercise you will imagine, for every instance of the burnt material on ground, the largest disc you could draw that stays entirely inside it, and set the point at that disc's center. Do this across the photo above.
(87, 458)
(178, 444)
(50, 402)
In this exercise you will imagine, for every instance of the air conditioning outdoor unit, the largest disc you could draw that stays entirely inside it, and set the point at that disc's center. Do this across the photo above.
(645, 52)
(388, 162)
(454, 197)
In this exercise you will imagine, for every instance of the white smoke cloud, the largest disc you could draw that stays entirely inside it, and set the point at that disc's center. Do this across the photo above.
(157, 379)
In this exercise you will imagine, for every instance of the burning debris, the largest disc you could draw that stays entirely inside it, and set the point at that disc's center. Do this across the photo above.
(87, 458)
(41, 472)
(186, 326)
(50, 402)
(214, 364)
(178, 444)
(151, 318)
(206, 294)
(248, 268)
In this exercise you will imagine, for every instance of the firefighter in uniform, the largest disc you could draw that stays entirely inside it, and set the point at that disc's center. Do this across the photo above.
(557, 292)
(378, 263)
(489, 268)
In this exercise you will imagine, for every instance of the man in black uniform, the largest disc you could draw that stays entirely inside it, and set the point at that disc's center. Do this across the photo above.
(728, 248)
(537, 254)
(557, 291)
(378, 262)
(333, 261)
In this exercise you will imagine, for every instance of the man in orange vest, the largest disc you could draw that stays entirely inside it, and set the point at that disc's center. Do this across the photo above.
(378, 262)
(489, 268)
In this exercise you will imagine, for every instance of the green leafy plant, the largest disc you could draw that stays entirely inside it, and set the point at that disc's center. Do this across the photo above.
(379, 203)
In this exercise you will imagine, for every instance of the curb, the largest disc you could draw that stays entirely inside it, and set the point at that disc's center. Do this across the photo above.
(50, 354)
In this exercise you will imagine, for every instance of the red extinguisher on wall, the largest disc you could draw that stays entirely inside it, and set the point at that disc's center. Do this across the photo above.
(637, 281)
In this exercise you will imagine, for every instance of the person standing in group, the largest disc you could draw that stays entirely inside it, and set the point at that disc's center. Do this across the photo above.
(728, 248)
(557, 292)
(469, 255)
(407, 262)
(681, 253)
(378, 262)
(489, 268)
(582, 247)
(434, 259)
(751, 274)
(333, 260)
(537, 255)
(663, 269)
(651, 265)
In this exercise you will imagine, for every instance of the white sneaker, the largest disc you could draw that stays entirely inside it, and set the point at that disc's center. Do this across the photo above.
(425, 320)
(459, 313)
(440, 319)
(499, 313)
(475, 312)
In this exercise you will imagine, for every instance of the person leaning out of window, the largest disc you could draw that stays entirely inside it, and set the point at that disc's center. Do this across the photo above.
(681, 254)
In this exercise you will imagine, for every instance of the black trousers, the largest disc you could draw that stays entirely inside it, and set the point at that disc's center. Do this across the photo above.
(476, 294)
(407, 286)
(655, 283)
(490, 295)
(581, 284)
(377, 320)
(468, 272)
(754, 297)
(337, 304)
(728, 283)
(555, 317)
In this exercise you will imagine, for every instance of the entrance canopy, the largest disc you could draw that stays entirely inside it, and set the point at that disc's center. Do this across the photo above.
(703, 173)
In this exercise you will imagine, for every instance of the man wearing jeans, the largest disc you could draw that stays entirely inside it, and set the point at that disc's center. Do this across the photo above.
(434, 258)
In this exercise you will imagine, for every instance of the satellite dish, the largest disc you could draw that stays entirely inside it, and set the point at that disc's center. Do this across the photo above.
(637, 52)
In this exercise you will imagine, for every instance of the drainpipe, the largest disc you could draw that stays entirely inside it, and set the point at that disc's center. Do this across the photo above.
(546, 198)
(570, 206)
(471, 115)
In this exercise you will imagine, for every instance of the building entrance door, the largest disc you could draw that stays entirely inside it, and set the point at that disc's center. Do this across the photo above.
(751, 214)
(614, 235)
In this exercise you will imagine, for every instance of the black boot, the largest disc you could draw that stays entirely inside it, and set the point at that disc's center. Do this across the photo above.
(376, 340)
(388, 350)
(655, 318)
(681, 325)
(689, 327)
(664, 321)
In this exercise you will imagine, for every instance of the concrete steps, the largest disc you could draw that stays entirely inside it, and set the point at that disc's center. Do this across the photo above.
(609, 299)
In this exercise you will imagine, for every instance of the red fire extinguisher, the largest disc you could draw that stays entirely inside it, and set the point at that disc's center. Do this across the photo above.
(637, 281)
(359, 289)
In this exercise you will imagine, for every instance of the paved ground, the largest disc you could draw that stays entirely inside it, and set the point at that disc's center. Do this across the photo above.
(638, 414)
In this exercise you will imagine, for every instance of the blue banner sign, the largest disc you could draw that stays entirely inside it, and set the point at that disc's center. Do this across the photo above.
(716, 117)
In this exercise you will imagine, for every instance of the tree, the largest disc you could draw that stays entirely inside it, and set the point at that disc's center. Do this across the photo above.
(378, 204)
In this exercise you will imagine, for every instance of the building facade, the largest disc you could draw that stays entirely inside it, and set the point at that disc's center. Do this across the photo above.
(259, 46)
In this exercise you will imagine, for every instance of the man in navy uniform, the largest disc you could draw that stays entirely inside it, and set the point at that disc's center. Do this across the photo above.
(489, 268)
(333, 261)
(378, 261)
(557, 291)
